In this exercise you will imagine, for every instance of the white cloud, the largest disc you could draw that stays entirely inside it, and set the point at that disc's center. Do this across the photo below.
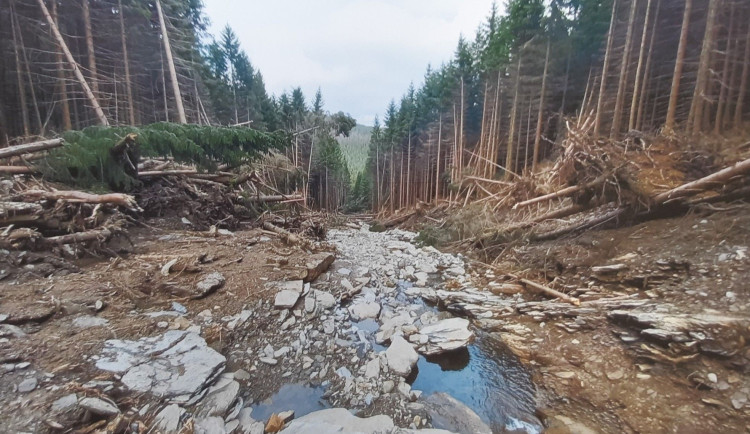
(362, 53)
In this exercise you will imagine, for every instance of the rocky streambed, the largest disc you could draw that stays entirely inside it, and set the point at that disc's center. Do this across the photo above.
(360, 343)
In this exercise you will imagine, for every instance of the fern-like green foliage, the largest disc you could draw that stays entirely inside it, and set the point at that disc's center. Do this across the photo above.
(86, 159)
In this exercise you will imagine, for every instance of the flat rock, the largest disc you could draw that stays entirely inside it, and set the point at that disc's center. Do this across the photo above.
(99, 406)
(339, 420)
(318, 264)
(88, 321)
(401, 356)
(286, 299)
(362, 311)
(168, 420)
(290, 285)
(27, 385)
(209, 425)
(446, 335)
(219, 397)
(174, 364)
(450, 414)
(209, 284)
(372, 368)
(65, 403)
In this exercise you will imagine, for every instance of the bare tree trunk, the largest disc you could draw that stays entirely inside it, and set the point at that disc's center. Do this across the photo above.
(170, 62)
(743, 83)
(620, 100)
(509, 166)
(62, 80)
(639, 69)
(695, 119)
(647, 70)
(461, 133)
(163, 82)
(126, 61)
(90, 46)
(725, 74)
(437, 160)
(408, 171)
(19, 79)
(29, 78)
(605, 71)
(76, 69)
(538, 135)
(678, 66)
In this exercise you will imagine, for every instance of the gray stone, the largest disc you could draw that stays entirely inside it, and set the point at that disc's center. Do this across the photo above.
(8, 330)
(177, 307)
(372, 369)
(209, 425)
(362, 311)
(343, 372)
(388, 386)
(209, 284)
(269, 361)
(170, 365)
(27, 385)
(99, 406)
(286, 299)
(248, 425)
(241, 375)
(404, 389)
(65, 403)
(219, 397)
(329, 326)
(318, 264)
(446, 335)
(168, 420)
(88, 321)
(334, 420)
(290, 285)
(401, 356)
(324, 300)
(448, 413)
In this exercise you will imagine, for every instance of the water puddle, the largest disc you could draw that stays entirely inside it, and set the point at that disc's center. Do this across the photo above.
(303, 399)
(488, 379)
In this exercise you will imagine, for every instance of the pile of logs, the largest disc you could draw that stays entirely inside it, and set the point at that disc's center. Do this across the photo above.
(37, 215)
(596, 183)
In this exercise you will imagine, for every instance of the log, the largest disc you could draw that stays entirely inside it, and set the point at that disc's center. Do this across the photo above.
(168, 172)
(275, 198)
(287, 236)
(17, 170)
(398, 219)
(578, 226)
(119, 199)
(569, 191)
(79, 237)
(30, 148)
(549, 291)
(706, 183)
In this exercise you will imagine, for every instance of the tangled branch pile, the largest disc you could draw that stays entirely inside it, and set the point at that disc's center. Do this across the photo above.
(595, 182)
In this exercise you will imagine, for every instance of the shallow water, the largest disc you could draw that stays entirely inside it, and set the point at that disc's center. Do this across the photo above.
(301, 398)
(488, 379)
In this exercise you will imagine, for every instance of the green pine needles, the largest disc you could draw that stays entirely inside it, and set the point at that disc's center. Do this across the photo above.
(88, 160)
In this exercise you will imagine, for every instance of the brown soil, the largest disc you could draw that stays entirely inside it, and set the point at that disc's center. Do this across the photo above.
(595, 372)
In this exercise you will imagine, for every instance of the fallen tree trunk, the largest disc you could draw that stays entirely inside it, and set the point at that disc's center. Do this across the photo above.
(586, 224)
(398, 219)
(119, 199)
(29, 148)
(275, 198)
(549, 291)
(17, 170)
(79, 237)
(287, 236)
(569, 191)
(706, 183)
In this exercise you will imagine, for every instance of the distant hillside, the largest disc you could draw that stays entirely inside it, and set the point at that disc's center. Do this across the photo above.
(355, 148)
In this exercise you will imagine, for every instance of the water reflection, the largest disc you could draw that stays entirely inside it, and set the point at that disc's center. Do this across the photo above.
(298, 397)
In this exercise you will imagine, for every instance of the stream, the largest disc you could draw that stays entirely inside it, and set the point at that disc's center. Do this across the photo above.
(484, 375)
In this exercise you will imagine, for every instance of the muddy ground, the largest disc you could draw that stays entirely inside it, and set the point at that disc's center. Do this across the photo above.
(595, 366)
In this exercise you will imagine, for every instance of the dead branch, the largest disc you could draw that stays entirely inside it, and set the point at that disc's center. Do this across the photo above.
(119, 199)
(569, 191)
(706, 183)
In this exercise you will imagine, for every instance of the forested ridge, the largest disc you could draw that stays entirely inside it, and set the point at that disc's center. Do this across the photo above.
(500, 106)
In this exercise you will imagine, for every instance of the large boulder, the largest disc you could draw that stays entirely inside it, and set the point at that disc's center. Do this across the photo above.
(446, 335)
(401, 356)
(317, 264)
(364, 310)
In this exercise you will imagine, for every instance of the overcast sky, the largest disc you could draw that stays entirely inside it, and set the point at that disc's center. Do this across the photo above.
(361, 53)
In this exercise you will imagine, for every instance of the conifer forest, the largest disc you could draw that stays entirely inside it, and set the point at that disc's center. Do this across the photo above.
(546, 232)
